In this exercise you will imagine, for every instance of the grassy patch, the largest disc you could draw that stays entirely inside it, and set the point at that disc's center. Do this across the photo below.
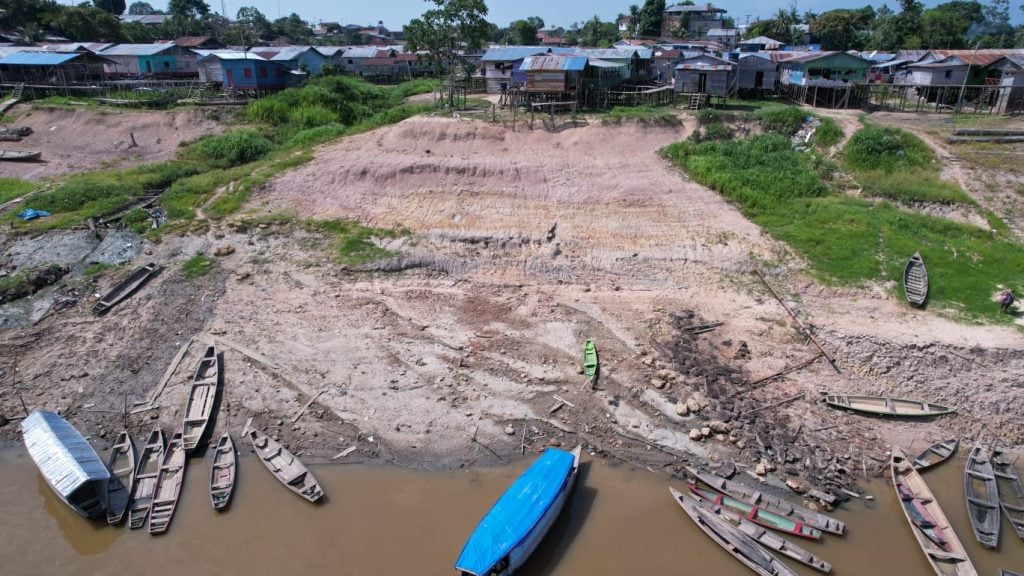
(784, 120)
(233, 148)
(828, 134)
(11, 188)
(642, 114)
(894, 164)
(197, 266)
(849, 240)
(351, 242)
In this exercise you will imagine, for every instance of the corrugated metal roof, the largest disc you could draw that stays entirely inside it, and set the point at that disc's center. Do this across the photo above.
(704, 66)
(61, 453)
(136, 49)
(145, 18)
(562, 63)
(598, 63)
(723, 32)
(227, 55)
(513, 53)
(766, 41)
(812, 56)
(5, 50)
(891, 63)
(678, 8)
(37, 58)
(285, 53)
(976, 57)
(330, 50)
(362, 52)
(613, 53)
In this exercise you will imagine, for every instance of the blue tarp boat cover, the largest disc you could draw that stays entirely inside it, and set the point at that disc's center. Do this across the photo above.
(31, 214)
(516, 512)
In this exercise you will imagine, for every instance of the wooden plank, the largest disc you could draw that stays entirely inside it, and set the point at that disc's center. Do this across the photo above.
(344, 453)
(250, 353)
(803, 328)
(306, 407)
(170, 370)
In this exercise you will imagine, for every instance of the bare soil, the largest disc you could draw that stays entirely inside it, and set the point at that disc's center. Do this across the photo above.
(75, 140)
(523, 245)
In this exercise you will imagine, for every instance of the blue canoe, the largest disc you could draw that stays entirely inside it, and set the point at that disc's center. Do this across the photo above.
(517, 522)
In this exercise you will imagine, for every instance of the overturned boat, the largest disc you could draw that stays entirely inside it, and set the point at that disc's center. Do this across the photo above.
(67, 462)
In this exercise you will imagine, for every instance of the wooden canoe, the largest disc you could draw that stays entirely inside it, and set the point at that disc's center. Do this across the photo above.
(18, 155)
(915, 281)
(730, 538)
(982, 497)
(1011, 490)
(201, 398)
(936, 454)
(755, 514)
(590, 360)
(1007, 573)
(146, 471)
(516, 524)
(285, 467)
(168, 486)
(222, 472)
(885, 406)
(771, 503)
(121, 463)
(125, 288)
(927, 521)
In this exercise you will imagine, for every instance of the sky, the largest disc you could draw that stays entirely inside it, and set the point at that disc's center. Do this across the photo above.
(396, 13)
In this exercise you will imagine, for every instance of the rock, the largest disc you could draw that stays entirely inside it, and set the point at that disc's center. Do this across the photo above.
(3, 421)
(682, 409)
(695, 434)
(579, 369)
(760, 469)
(242, 276)
(102, 433)
(797, 486)
(225, 250)
(510, 430)
(648, 361)
(554, 442)
(721, 437)
(741, 443)
(693, 405)
(657, 383)
(154, 415)
(705, 431)
(719, 427)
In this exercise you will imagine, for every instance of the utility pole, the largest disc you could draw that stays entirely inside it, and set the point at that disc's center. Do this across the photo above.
(963, 85)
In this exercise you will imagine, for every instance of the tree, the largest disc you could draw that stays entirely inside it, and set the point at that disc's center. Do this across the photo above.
(843, 29)
(137, 33)
(536, 21)
(84, 23)
(293, 28)
(141, 9)
(523, 32)
(444, 30)
(649, 18)
(946, 25)
(598, 34)
(253, 23)
(634, 20)
(193, 9)
(19, 13)
(115, 7)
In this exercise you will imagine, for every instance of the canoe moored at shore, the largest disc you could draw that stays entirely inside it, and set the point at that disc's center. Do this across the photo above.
(730, 538)
(982, 497)
(590, 361)
(285, 467)
(756, 515)
(168, 485)
(511, 530)
(1011, 490)
(125, 288)
(70, 466)
(915, 280)
(928, 522)
(771, 503)
(201, 398)
(885, 406)
(222, 472)
(18, 155)
(121, 463)
(146, 472)
(936, 454)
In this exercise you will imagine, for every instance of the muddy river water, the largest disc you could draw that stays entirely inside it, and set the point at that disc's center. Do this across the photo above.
(381, 520)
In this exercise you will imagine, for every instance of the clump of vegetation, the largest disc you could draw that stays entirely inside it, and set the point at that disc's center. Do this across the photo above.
(27, 282)
(641, 114)
(352, 242)
(827, 134)
(136, 220)
(784, 120)
(711, 132)
(233, 148)
(709, 116)
(11, 188)
(895, 164)
(197, 266)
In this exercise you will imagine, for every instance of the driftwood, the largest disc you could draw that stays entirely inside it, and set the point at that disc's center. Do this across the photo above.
(803, 328)
(486, 447)
(774, 405)
(306, 407)
(779, 374)
(170, 370)
(563, 400)
(250, 353)
(344, 453)
(139, 410)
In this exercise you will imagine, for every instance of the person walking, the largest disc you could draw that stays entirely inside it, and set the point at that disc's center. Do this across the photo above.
(1005, 301)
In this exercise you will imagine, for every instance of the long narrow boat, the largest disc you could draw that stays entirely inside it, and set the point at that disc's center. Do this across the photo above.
(590, 361)
(20, 155)
(771, 503)
(756, 515)
(1011, 491)
(168, 485)
(927, 521)
(730, 538)
(125, 288)
(201, 398)
(146, 471)
(1007, 573)
(222, 472)
(121, 463)
(936, 454)
(982, 497)
(885, 406)
(285, 467)
(70, 466)
(518, 521)
(915, 280)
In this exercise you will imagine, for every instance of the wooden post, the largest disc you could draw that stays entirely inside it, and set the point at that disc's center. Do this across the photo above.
(799, 322)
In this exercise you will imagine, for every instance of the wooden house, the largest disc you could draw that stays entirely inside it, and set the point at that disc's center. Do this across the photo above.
(501, 66)
(705, 74)
(246, 71)
(947, 72)
(663, 68)
(727, 37)
(759, 44)
(304, 58)
(553, 73)
(638, 60)
(757, 71)
(825, 69)
(335, 56)
(355, 57)
(51, 68)
(698, 19)
(156, 60)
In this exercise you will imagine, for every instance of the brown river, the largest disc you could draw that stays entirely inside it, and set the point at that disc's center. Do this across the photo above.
(381, 520)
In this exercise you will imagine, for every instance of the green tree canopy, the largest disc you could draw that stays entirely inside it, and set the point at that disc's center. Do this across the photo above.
(84, 23)
(141, 9)
(648, 19)
(598, 34)
(843, 29)
(115, 7)
(523, 32)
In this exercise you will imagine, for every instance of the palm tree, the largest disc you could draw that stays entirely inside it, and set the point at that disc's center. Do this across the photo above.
(634, 20)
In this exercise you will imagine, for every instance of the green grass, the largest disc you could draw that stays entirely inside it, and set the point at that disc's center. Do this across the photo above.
(784, 120)
(849, 240)
(231, 149)
(642, 114)
(828, 134)
(897, 165)
(11, 188)
(197, 266)
(351, 242)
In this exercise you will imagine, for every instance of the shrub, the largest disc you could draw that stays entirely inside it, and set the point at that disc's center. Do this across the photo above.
(197, 266)
(828, 134)
(886, 149)
(310, 116)
(233, 148)
(784, 120)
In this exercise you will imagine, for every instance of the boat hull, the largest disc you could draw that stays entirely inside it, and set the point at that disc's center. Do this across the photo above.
(884, 406)
(936, 454)
(915, 281)
(1011, 490)
(222, 473)
(982, 497)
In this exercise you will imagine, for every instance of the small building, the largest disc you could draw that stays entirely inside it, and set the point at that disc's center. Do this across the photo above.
(638, 60)
(699, 19)
(759, 44)
(727, 37)
(354, 57)
(888, 71)
(199, 43)
(304, 58)
(157, 60)
(705, 74)
(246, 71)
(51, 68)
(756, 71)
(335, 56)
(663, 68)
(825, 69)
(154, 20)
(553, 73)
(502, 66)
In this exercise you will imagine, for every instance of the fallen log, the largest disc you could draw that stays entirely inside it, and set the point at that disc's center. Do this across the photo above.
(170, 370)
(753, 385)
(774, 405)
(306, 407)
(993, 139)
